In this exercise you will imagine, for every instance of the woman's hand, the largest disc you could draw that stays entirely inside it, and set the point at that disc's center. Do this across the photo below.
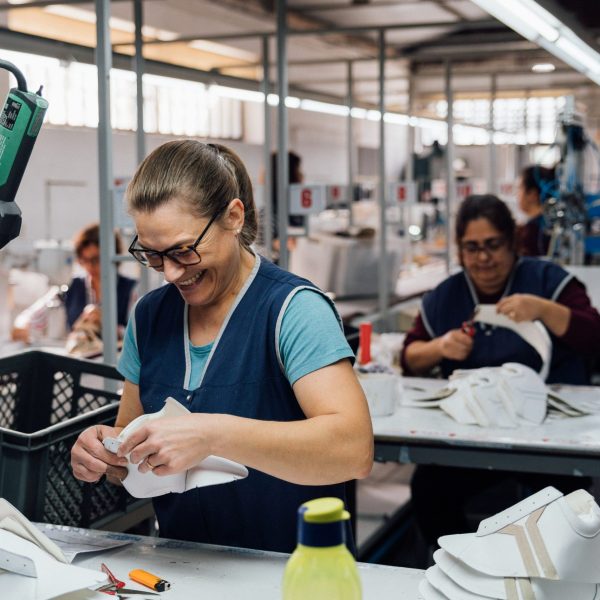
(455, 345)
(522, 307)
(170, 445)
(90, 459)
(527, 307)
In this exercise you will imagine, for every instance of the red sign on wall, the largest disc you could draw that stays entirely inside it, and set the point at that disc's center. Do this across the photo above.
(306, 198)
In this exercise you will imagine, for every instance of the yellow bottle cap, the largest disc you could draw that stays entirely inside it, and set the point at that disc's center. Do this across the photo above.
(324, 510)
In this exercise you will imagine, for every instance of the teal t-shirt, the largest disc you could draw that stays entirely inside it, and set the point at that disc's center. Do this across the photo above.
(310, 338)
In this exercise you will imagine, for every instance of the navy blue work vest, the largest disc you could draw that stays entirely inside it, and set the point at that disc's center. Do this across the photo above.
(76, 298)
(453, 301)
(243, 377)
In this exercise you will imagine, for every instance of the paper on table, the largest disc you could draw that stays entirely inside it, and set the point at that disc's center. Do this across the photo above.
(74, 542)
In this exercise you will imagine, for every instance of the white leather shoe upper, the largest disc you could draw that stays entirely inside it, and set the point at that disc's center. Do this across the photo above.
(546, 535)
(212, 470)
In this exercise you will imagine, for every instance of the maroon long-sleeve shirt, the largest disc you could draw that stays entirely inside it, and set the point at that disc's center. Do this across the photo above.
(582, 335)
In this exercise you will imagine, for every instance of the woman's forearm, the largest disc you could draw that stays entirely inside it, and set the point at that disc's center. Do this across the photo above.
(555, 316)
(321, 450)
(422, 356)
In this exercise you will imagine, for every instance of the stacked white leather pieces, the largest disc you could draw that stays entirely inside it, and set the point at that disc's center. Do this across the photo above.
(511, 395)
(32, 566)
(546, 547)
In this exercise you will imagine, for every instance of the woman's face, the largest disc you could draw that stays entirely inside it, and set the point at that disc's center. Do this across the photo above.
(527, 200)
(89, 259)
(486, 256)
(172, 225)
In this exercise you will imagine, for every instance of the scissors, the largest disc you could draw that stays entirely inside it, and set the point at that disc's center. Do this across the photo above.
(468, 326)
(117, 588)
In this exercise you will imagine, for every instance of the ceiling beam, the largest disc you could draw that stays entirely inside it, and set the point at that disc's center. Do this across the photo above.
(45, 3)
(468, 25)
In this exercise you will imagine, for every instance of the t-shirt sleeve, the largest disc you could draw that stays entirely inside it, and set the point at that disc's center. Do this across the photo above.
(129, 362)
(310, 337)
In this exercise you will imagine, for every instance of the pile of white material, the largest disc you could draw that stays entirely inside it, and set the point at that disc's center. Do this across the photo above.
(546, 547)
(32, 566)
(505, 396)
(508, 396)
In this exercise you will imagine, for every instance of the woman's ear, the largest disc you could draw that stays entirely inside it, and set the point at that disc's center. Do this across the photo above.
(234, 217)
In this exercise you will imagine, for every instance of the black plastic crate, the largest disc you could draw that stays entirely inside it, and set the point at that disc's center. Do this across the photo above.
(46, 401)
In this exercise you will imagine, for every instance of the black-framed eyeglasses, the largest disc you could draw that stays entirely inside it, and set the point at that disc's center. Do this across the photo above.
(186, 255)
(489, 246)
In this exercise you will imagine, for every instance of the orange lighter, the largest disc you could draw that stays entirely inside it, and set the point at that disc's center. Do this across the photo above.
(149, 580)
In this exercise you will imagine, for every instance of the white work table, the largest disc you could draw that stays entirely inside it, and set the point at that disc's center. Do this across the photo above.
(222, 573)
(429, 436)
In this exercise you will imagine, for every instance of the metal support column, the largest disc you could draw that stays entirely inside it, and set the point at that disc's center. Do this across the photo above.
(492, 173)
(410, 139)
(450, 179)
(350, 144)
(383, 267)
(268, 180)
(108, 276)
(282, 134)
(140, 134)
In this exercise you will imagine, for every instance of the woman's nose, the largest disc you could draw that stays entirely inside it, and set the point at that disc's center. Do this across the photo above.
(171, 270)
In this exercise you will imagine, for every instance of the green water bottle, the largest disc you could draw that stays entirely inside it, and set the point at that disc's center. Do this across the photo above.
(321, 567)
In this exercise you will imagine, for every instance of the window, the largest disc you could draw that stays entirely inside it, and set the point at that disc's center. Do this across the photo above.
(171, 106)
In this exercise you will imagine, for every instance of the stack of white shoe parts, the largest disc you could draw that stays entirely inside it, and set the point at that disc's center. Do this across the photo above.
(546, 547)
(506, 396)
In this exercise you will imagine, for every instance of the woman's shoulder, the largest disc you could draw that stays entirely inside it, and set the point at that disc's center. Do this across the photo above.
(542, 267)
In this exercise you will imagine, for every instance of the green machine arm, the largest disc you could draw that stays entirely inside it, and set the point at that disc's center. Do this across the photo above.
(20, 122)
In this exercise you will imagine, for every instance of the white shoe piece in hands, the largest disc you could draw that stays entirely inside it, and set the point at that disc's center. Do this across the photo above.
(213, 470)
(545, 536)
(428, 592)
(533, 332)
(504, 588)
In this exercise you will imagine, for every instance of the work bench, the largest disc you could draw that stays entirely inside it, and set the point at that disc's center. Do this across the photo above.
(221, 573)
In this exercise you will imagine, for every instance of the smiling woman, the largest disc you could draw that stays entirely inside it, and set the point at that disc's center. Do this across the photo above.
(232, 338)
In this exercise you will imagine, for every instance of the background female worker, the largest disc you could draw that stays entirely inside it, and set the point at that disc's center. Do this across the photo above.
(256, 353)
(524, 289)
(535, 184)
(83, 298)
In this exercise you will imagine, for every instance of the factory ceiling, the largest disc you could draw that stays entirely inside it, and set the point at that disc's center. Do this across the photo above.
(421, 36)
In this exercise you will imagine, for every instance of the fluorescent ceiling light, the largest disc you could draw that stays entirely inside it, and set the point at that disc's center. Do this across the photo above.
(543, 68)
(236, 93)
(524, 16)
(292, 102)
(324, 107)
(579, 54)
(535, 23)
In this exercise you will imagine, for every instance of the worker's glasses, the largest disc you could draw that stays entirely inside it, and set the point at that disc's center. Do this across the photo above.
(489, 246)
(181, 255)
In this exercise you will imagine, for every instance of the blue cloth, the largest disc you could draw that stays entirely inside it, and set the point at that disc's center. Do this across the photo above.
(244, 377)
(303, 349)
(76, 298)
(494, 346)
